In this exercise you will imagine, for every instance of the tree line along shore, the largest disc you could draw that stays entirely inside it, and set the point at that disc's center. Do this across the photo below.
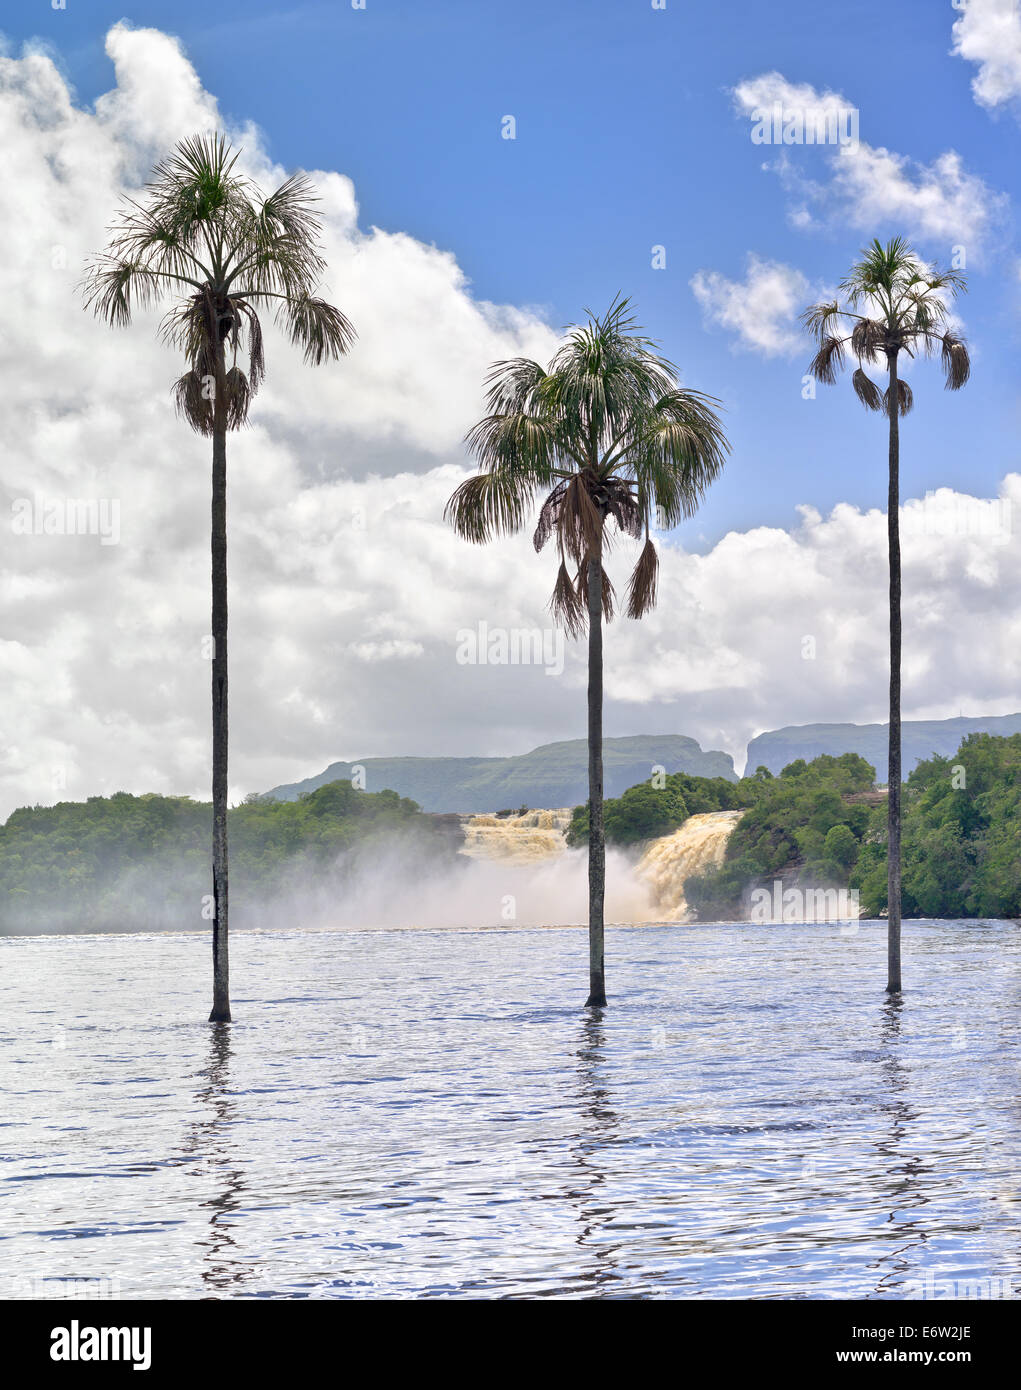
(130, 862)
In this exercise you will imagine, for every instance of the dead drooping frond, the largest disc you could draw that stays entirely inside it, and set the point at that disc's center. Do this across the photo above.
(581, 519)
(955, 359)
(202, 235)
(239, 395)
(866, 390)
(895, 304)
(609, 597)
(568, 606)
(905, 396)
(549, 515)
(641, 590)
(569, 603)
(193, 397)
(867, 338)
(826, 361)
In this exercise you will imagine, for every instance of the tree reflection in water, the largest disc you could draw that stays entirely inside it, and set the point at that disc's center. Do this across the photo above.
(222, 1267)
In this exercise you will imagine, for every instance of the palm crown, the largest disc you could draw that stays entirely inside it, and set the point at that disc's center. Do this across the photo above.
(205, 233)
(894, 303)
(608, 434)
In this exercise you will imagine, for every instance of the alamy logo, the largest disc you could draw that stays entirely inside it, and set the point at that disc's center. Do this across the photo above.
(518, 646)
(984, 1287)
(805, 125)
(68, 516)
(77, 1343)
(804, 904)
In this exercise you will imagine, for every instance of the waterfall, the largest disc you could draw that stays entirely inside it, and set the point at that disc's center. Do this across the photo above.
(528, 838)
(691, 849)
(526, 855)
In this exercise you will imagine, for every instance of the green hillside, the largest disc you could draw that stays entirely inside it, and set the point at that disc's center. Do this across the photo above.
(921, 739)
(554, 775)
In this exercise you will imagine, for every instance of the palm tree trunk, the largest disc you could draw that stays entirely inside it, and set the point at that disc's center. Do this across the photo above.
(596, 838)
(893, 804)
(221, 973)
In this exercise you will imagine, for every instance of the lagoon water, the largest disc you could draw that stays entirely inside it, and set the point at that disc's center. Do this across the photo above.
(409, 1113)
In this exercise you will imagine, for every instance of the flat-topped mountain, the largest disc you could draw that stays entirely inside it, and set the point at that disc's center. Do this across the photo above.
(555, 774)
(920, 739)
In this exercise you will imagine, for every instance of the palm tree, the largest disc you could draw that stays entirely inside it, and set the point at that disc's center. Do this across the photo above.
(205, 236)
(607, 434)
(894, 303)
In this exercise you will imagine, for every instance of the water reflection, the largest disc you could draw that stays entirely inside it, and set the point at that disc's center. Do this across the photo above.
(589, 1151)
(904, 1171)
(222, 1267)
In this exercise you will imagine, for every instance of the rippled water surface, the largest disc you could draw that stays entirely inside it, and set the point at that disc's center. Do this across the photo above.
(406, 1113)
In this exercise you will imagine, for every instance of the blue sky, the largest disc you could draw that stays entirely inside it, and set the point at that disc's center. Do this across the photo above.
(627, 137)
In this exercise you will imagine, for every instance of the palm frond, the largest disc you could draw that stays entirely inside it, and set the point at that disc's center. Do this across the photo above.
(822, 319)
(112, 287)
(238, 396)
(517, 442)
(956, 361)
(642, 586)
(867, 340)
(568, 605)
(681, 452)
(606, 373)
(548, 515)
(194, 401)
(878, 270)
(511, 386)
(867, 391)
(824, 364)
(317, 327)
(490, 504)
(904, 394)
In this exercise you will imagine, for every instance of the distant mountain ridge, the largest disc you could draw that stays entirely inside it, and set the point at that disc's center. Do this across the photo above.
(920, 739)
(555, 774)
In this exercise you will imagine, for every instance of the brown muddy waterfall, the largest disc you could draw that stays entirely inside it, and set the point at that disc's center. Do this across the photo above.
(648, 888)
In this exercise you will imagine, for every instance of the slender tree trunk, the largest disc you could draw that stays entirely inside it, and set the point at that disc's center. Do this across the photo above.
(596, 838)
(893, 804)
(221, 973)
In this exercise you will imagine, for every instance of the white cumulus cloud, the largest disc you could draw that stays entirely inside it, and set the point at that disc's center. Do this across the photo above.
(869, 186)
(988, 33)
(762, 309)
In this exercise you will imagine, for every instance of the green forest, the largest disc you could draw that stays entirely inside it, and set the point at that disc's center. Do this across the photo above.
(826, 819)
(130, 860)
(962, 836)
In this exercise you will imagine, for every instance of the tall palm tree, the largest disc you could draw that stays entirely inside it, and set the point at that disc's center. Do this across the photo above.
(204, 236)
(894, 303)
(607, 434)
